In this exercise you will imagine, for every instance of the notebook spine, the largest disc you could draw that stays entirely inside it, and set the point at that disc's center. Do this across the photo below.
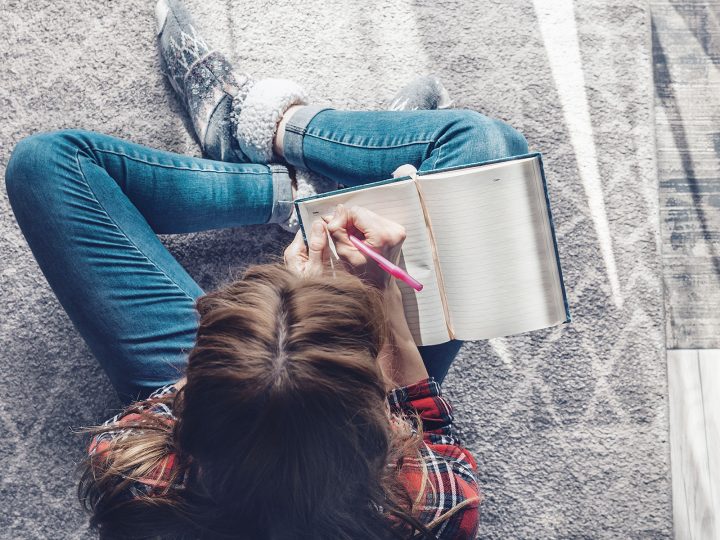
(436, 260)
(546, 197)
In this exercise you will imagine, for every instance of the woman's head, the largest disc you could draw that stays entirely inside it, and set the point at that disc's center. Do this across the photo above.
(283, 425)
(284, 409)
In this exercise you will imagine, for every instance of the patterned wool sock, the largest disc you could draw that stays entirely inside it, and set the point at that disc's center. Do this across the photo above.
(233, 115)
(203, 78)
(424, 92)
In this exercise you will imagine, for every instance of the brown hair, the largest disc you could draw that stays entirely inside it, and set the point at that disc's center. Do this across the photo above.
(282, 428)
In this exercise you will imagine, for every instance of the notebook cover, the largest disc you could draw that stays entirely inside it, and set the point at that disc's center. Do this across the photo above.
(478, 163)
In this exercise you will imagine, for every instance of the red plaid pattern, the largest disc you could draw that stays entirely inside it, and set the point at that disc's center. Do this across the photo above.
(451, 468)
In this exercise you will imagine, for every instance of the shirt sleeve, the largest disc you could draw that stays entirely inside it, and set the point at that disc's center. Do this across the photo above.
(454, 466)
(102, 441)
(425, 397)
(163, 391)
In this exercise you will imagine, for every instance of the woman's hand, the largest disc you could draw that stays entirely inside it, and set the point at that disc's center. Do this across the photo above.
(382, 234)
(312, 262)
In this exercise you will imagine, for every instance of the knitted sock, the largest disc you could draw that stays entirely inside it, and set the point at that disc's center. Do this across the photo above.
(225, 106)
(203, 78)
(424, 92)
(256, 117)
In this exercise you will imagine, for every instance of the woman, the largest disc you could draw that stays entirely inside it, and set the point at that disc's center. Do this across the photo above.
(290, 403)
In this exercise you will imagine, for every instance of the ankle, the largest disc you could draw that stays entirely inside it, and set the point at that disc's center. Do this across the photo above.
(280, 131)
(255, 117)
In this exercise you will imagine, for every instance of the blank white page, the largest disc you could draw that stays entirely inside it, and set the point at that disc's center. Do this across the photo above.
(495, 248)
(399, 202)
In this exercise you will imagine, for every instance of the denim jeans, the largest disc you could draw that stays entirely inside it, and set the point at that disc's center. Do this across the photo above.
(90, 207)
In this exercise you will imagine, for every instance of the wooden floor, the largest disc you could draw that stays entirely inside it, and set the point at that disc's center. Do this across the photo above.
(686, 55)
(694, 387)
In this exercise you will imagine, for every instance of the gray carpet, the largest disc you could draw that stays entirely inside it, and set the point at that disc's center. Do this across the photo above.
(569, 425)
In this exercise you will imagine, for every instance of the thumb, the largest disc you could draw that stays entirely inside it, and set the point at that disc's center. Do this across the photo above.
(317, 248)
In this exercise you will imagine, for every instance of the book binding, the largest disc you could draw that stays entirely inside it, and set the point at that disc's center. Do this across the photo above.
(436, 259)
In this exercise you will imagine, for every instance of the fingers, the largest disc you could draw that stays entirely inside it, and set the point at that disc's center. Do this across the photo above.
(378, 231)
(375, 230)
(311, 260)
(318, 252)
(339, 228)
(363, 219)
(298, 244)
(295, 254)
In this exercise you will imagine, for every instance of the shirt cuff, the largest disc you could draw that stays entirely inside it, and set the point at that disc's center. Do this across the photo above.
(427, 387)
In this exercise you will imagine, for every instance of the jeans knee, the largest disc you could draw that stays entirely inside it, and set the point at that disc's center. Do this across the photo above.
(25, 166)
(492, 138)
(33, 159)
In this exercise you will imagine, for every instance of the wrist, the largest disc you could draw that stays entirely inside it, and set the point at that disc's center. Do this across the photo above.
(392, 293)
(402, 362)
(395, 311)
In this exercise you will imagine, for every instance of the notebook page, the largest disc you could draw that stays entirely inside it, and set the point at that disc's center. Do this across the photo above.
(399, 202)
(495, 248)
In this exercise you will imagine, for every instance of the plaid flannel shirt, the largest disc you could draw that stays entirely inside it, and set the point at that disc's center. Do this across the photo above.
(451, 468)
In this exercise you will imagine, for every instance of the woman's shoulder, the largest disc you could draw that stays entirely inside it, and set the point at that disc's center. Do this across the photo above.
(155, 403)
(158, 403)
(443, 483)
(163, 391)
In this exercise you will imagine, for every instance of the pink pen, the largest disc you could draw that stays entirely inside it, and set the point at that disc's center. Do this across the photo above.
(386, 265)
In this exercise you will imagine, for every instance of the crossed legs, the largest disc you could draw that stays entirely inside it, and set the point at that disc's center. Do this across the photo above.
(91, 206)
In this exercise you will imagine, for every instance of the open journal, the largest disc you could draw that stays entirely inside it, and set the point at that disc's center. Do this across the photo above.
(481, 240)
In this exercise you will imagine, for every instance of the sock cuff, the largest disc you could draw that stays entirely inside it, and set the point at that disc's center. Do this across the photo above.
(256, 116)
(308, 184)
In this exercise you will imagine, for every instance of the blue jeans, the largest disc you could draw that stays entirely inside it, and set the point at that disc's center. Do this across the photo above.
(91, 206)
